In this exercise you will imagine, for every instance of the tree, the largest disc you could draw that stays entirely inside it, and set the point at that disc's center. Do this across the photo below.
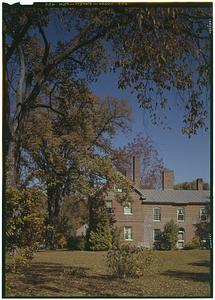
(153, 50)
(203, 230)
(169, 236)
(151, 164)
(190, 186)
(100, 238)
(68, 152)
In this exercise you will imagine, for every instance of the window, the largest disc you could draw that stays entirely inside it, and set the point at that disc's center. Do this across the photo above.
(180, 214)
(108, 204)
(127, 209)
(128, 233)
(203, 214)
(180, 242)
(156, 234)
(156, 214)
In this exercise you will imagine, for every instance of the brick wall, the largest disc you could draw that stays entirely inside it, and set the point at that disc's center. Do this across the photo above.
(169, 212)
(141, 219)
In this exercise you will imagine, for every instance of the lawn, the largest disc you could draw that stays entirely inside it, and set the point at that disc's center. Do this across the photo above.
(183, 273)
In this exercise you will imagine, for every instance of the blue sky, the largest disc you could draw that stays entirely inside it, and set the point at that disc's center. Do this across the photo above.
(189, 158)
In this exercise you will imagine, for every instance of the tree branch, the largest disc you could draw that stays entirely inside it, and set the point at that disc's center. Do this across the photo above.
(47, 45)
(19, 97)
(18, 39)
(47, 107)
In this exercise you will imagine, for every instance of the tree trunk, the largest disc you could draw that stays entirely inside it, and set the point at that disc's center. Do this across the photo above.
(12, 172)
(10, 150)
(54, 210)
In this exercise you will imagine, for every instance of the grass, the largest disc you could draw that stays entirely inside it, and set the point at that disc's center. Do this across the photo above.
(182, 273)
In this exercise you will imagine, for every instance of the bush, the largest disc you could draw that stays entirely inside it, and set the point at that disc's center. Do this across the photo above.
(203, 233)
(24, 225)
(77, 243)
(169, 236)
(100, 238)
(193, 244)
(129, 261)
(20, 259)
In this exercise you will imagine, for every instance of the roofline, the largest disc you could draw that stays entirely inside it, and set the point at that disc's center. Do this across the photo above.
(175, 203)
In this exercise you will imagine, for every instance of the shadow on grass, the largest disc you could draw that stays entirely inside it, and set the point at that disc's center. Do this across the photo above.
(203, 263)
(43, 273)
(49, 278)
(53, 279)
(50, 270)
(199, 277)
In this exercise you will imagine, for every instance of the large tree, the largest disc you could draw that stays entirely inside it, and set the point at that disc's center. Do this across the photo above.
(68, 152)
(153, 50)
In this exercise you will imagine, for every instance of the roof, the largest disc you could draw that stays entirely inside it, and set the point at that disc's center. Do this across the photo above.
(175, 196)
(81, 231)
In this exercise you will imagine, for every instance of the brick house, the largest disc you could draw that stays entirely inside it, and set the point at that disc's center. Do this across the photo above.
(145, 216)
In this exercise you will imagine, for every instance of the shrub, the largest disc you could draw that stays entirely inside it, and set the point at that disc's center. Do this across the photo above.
(169, 236)
(24, 225)
(77, 243)
(100, 238)
(193, 244)
(20, 259)
(129, 261)
(203, 233)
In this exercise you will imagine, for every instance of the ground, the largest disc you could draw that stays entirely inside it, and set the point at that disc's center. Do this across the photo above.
(179, 273)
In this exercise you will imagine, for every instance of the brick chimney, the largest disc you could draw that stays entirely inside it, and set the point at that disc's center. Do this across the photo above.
(199, 184)
(167, 180)
(136, 169)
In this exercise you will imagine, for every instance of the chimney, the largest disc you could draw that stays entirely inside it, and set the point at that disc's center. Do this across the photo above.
(199, 184)
(125, 173)
(136, 168)
(167, 180)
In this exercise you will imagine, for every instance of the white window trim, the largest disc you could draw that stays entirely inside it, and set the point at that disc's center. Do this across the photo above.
(127, 213)
(200, 215)
(154, 214)
(181, 241)
(180, 221)
(131, 233)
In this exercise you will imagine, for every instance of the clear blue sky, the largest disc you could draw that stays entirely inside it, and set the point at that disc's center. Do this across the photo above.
(189, 158)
